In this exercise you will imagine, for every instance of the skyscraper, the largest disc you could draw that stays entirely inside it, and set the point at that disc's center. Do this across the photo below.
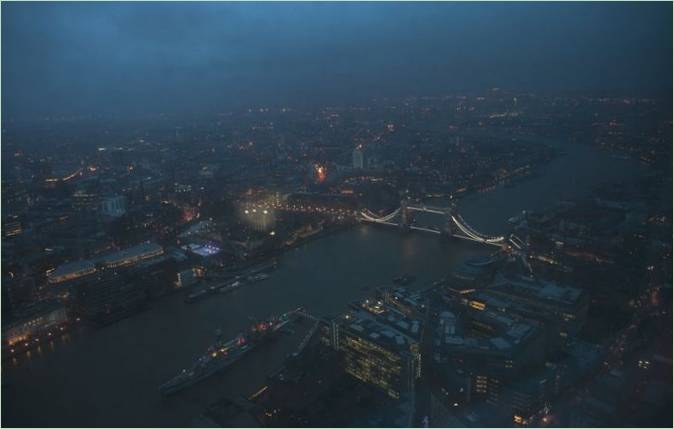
(358, 157)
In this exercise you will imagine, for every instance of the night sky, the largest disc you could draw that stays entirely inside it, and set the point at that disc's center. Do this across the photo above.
(133, 58)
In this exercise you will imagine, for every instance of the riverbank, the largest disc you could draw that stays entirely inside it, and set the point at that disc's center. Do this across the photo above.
(119, 367)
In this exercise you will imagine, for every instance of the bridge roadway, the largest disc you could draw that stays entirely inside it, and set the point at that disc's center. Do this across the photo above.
(427, 209)
(367, 216)
(437, 232)
(468, 233)
(307, 338)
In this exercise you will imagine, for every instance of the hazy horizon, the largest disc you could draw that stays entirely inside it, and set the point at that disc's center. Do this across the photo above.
(137, 58)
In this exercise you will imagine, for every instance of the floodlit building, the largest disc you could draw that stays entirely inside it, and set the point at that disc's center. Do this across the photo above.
(35, 321)
(80, 269)
(378, 346)
(71, 271)
(132, 255)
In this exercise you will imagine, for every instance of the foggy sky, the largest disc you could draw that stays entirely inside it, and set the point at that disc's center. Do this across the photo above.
(130, 58)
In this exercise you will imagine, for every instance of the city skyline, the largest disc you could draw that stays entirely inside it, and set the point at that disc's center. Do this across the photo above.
(128, 59)
(336, 215)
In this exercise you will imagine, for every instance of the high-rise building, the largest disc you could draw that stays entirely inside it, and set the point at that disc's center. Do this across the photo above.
(378, 346)
(358, 158)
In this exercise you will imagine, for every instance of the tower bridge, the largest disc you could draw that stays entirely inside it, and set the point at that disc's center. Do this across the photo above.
(454, 225)
(402, 217)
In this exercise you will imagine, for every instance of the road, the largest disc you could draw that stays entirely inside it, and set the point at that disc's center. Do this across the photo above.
(423, 386)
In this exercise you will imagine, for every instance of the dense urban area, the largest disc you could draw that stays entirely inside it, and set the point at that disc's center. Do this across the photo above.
(559, 316)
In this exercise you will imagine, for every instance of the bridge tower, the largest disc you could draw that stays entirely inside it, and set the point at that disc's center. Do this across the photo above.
(449, 228)
(405, 217)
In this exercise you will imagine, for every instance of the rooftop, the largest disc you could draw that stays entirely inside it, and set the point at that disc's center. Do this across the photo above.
(77, 269)
(510, 330)
(71, 270)
(538, 289)
(390, 329)
(131, 253)
(389, 316)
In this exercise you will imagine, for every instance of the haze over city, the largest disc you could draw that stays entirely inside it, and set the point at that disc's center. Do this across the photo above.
(131, 58)
(385, 214)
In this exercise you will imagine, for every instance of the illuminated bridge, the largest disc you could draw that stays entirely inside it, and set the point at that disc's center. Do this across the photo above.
(454, 224)
(402, 217)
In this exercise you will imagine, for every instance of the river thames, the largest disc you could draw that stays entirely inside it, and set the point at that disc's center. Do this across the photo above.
(109, 377)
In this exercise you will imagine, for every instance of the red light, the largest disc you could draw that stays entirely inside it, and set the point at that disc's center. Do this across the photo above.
(321, 172)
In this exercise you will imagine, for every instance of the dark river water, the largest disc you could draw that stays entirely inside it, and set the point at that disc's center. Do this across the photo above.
(109, 377)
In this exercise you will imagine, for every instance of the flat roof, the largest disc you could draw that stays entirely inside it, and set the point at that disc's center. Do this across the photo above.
(70, 268)
(541, 290)
(74, 267)
(131, 252)
(388, 316)
(390, 330)
(511, 331)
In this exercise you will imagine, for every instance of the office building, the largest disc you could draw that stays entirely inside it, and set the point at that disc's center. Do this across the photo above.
(378, 346)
